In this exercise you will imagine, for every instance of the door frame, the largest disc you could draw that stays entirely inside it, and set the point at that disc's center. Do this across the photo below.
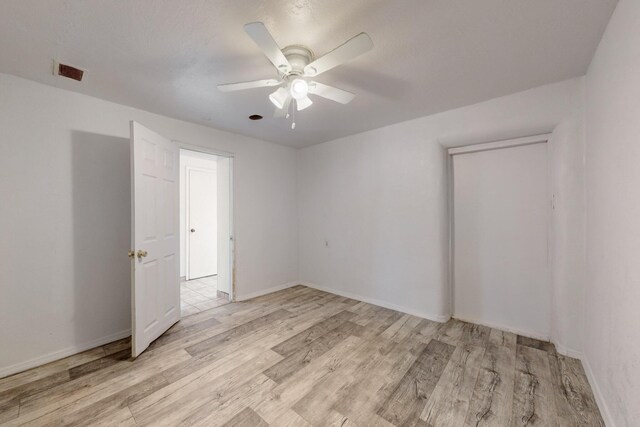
(488, 146)
(232, 222)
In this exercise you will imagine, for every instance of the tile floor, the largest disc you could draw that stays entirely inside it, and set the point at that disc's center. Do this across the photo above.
(200, 294)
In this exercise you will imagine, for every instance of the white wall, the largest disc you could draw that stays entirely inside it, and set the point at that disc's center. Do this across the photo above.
(567, 230)
(65, 217)
(190, 158)
(612, 305)
(380, 199)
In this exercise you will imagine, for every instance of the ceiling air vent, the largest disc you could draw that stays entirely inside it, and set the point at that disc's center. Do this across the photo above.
(67, 71)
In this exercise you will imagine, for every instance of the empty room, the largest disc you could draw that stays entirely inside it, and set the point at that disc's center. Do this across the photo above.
(320, 213)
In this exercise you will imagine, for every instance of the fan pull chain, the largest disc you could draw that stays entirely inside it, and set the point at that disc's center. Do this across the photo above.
(293, 112)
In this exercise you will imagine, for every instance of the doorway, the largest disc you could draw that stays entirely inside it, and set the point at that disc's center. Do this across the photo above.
(205, 238)
(501, 204)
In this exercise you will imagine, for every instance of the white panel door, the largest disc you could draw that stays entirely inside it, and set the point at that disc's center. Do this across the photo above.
(202, 223)
(155, 236)
(501, 209)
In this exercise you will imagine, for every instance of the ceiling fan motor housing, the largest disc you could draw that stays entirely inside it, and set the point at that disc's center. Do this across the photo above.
(299, 57)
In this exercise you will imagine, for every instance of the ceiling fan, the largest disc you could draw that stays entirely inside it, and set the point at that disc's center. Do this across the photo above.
(295, 65)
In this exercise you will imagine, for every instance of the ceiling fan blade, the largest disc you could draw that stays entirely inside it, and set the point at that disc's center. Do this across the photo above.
(282, 112)
(263, 38)
(351, 49)
(330, 92)
(303, 103)
(248, 85)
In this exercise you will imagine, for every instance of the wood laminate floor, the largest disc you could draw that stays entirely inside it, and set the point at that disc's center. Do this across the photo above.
(302, 357)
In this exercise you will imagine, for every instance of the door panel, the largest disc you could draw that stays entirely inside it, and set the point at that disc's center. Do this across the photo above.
(501, 210)
(155, 239)
(202, 223)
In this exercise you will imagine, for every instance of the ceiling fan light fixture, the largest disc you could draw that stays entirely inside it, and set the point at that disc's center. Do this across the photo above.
(299, 89)
(279, 97)
(303, 103)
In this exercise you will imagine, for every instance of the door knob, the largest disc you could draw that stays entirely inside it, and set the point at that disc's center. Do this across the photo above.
(142, 254)
(193, 230)
(131, 254)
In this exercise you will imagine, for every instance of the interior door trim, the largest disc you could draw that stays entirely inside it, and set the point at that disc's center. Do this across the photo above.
(496, 145)
(232, 231)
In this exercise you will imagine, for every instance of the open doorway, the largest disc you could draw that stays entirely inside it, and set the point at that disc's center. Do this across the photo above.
(205, 231)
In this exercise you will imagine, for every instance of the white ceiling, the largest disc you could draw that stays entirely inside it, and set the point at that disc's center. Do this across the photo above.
(167, 56)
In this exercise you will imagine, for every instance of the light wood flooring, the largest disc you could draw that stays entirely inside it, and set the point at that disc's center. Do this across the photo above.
(302, 357)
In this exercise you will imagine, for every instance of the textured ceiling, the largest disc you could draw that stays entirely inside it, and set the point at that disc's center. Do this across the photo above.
(167, 56)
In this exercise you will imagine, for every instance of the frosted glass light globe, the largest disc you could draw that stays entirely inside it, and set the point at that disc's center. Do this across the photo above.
(299, 88)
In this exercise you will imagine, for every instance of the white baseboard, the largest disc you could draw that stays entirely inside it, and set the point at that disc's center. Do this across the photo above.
(541, 337)
(380, 303)
(602, 404)
(60, 354)
(566, 351)
(262, 292)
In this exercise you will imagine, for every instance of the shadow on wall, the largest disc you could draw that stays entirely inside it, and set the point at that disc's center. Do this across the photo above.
(101, 188)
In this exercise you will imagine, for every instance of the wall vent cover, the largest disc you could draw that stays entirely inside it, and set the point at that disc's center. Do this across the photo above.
(67, 71)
